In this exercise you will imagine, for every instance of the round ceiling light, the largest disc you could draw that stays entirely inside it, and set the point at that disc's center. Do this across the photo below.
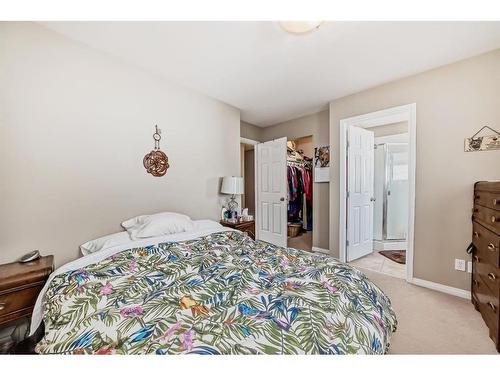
(300, 27)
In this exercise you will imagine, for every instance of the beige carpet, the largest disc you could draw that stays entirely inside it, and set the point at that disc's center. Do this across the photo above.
(302, 241)
(431, 322)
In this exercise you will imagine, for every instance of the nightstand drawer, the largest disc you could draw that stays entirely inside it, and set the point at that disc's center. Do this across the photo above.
(19, 303)
(244, 226)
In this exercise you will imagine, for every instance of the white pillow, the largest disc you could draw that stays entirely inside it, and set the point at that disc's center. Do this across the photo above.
(161, 224)
(138, 220)
(105, 242)
(206, 224)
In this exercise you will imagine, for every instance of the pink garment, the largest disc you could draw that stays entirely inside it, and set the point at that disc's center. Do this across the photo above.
(306, 177)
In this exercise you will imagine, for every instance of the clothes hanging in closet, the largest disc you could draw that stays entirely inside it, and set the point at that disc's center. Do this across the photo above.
(299, 193)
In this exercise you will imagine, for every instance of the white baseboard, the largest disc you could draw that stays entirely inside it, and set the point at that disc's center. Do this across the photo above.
(320, 250)
(441, 288)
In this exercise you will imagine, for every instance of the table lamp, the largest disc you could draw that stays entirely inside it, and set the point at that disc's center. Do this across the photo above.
(232, 185)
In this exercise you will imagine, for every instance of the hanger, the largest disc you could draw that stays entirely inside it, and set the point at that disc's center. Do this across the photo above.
(485, 127)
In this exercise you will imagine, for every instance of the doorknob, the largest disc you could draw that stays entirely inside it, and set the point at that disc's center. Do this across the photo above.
(282, 199)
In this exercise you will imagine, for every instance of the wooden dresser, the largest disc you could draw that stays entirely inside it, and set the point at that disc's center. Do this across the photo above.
(485, 258)
(244, 226)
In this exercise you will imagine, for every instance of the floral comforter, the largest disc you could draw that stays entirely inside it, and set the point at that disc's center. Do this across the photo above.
(219, 294)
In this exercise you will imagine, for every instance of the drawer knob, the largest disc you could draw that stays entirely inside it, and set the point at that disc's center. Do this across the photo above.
(494, 219)
(496, 201)
(491, 247)
(492, 276)
(3, 305)
(476, 234)
(492, 306)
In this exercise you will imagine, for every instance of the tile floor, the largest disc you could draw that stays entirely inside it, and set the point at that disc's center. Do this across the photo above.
(380, 263)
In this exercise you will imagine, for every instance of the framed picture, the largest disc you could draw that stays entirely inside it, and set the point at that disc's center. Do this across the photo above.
(485, 143)
(322, 164)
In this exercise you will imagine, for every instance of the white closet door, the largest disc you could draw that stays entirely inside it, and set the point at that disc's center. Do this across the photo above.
(360, 193)
(271, 204)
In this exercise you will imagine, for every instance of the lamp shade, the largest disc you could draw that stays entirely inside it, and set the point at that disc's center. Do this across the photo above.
(232, 185)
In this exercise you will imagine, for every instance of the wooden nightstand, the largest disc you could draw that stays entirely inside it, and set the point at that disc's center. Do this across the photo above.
(244, 226)
(20, 284)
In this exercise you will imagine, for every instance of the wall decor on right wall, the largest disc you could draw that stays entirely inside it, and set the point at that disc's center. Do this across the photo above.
(156, 162)
(322, 164)
(484, 143)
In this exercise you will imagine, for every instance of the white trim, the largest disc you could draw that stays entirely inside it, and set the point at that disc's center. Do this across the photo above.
(248, 141)
(442, 288)
(320, 250)
(387, 116)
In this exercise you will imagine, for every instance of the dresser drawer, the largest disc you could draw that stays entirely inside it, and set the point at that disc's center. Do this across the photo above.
(487, 304)
(487, 244)
(490, 276)
(18, 303)
(487, 217)
(487, 199)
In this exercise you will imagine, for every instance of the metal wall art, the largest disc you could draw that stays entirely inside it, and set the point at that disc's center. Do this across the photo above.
(484, 143)
(156, 162)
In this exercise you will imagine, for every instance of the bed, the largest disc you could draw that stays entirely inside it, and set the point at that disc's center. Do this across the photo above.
(211, 292)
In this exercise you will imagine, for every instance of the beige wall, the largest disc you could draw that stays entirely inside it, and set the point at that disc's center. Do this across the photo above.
(250, 131)
(453, 102)
(74, 127)
(250, 181)
(315, 125)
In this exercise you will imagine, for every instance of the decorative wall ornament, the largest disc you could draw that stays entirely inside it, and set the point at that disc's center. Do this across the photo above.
(484, 143)
(156, 162)
(322, 164)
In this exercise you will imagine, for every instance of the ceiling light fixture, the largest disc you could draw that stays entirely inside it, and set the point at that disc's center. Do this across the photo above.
(300, 27)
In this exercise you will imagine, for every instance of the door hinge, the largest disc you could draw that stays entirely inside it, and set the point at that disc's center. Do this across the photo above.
(347, 243)
(348, 194)
(347, 144)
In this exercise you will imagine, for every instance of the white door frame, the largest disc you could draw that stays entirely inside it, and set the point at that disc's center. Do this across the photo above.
(387, 116)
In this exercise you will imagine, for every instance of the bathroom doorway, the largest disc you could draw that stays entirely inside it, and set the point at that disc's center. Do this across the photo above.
(377, 180)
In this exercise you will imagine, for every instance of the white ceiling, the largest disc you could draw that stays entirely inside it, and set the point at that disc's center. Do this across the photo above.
(273, 76)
